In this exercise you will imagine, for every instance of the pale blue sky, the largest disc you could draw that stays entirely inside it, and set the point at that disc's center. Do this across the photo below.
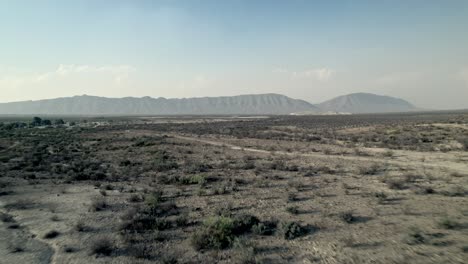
(314, 50)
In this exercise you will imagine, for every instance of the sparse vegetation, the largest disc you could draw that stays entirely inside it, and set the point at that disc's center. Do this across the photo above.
(102, 246)
(292, 230)
(153, 187)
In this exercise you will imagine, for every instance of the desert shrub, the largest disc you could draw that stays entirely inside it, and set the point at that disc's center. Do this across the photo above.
(195, 179)
(6, 218)
(68, 249)
(248, 164)
(197, 167)
(139, 250)
(326, 170)
(163, 209)
(154, 198)
(244, 223)
(81, 226)
(168, 179)
(216, 233)
(381, 196)
(102, 246)
(15, 248)
(20, 205)
(464, 249)
(388, 154)
(51, 234)
(220, 232)
(264, 228)
(370, 170)
(424, 190)
(348, 217)
(292, 210)
(415, 236)
(464, 143)
(412, 178)
(361, 152)
(161, 224)
(245, 252)
(135, 198)
(292, 197)
(151, 217)
(182, 220)
(224, 210)
(456, 191)
(291, 230)
(278, 165)
(98, 204)
(296, 184)
(449, 223)
(163, 162)
(137, 223)
(396, 183)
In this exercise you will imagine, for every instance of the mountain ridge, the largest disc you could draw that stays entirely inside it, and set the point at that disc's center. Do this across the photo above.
(357, 103)
(266, 104)
(94, 105)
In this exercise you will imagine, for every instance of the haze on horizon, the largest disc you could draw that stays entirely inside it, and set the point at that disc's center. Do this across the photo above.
(310, 50)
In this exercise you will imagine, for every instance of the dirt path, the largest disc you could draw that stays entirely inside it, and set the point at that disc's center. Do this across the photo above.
(404, 160)
(19, 245)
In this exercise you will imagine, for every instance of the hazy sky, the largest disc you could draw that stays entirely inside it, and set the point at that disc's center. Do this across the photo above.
(313, 50)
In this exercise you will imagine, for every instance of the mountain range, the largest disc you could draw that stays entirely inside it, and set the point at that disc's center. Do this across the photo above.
(264, 104)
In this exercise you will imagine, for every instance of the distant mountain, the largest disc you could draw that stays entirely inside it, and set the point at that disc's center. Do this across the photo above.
(261, 104)
(366, 103)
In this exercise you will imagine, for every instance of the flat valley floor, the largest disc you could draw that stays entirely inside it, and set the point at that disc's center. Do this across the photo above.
(388, 188)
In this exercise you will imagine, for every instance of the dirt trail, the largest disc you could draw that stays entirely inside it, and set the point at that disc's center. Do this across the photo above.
(448, 165)
(19, 245)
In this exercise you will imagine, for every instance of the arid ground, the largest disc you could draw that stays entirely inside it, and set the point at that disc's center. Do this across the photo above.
(388, 188)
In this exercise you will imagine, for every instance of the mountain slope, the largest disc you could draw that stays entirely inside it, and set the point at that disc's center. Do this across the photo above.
(92, 105)
(366, 103)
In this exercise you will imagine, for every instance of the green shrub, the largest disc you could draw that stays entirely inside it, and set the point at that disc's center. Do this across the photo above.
(154, 198)
(216, 233)
(291, 230)
(220, 232)
(199, 179)
(264, 228)
(163, 162)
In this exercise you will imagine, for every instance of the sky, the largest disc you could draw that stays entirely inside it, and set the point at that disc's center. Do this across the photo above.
(312, 50)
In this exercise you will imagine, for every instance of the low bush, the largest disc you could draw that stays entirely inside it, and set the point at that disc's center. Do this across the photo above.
(348, 217)
(51, 234)
(264, 228)
(199, 179)
(292, 230)
(102, 246)
(98, 204)
(292, 210)
(216, 233)
(370, 170)
(220, 232)
(449, 223)
(6, 218)
(415, 236)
